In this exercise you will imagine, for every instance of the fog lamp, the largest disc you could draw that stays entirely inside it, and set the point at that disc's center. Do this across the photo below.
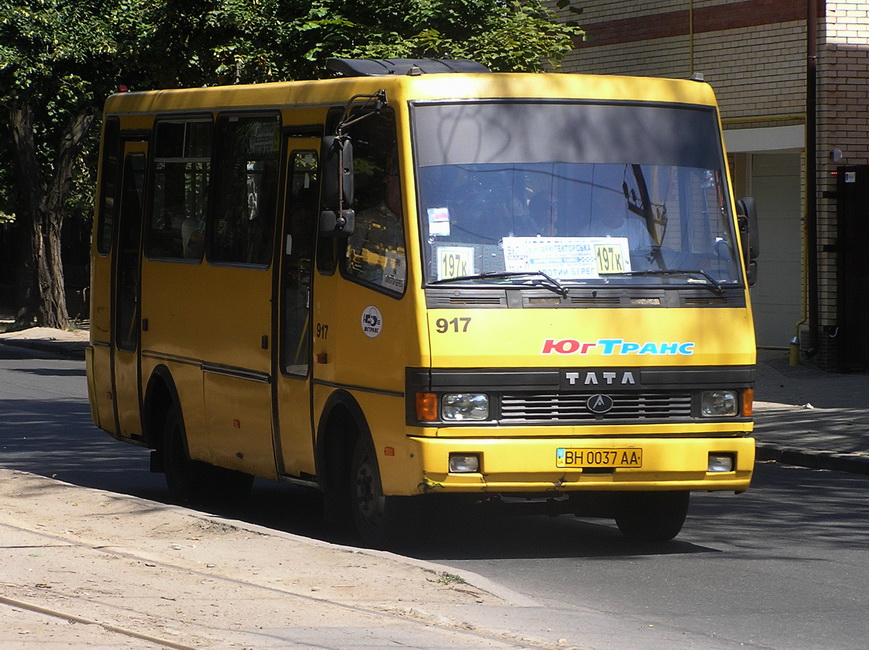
(464, 463)
(720, 462)
(465, 406)
(718, 403)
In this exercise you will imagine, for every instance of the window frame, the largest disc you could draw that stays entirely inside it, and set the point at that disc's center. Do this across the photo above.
(110, 172)
(186, 118)
(344, 248)
(217, 160)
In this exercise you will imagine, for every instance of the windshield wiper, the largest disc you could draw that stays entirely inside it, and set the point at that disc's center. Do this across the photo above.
(547, 282)
(708, 281)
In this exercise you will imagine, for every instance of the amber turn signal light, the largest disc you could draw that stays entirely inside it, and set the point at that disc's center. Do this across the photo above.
(426, 407)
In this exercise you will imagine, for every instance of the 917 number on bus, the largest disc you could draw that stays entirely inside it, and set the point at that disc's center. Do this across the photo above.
(452, 325)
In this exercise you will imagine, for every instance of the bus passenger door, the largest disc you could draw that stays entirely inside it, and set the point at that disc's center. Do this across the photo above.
(125, 335)
(294, 431)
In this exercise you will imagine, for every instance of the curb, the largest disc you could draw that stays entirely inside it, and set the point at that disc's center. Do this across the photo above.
(852, 463)
(57, 348)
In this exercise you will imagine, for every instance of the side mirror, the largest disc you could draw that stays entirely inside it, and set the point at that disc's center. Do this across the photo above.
(337, 219)
(337, 223)
(336, 152)
(746, 216)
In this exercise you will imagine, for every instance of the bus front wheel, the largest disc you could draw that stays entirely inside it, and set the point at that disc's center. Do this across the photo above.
(651, 516)
(379, 519)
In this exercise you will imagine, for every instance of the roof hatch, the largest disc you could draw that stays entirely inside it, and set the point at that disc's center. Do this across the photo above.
(384, 67)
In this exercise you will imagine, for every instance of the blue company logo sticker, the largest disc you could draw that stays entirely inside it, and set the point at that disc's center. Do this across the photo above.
(617, 347)
(372, 322)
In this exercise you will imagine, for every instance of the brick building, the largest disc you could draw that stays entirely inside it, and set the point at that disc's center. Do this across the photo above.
(793, 95)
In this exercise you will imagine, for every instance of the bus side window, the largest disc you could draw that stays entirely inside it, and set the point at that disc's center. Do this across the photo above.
(109, 185)
(303, 191)
(246, 175)
(182, 162)
(129, 225)
(376, 251)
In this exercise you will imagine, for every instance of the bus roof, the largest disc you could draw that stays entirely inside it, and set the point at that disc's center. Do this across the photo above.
(424, 87)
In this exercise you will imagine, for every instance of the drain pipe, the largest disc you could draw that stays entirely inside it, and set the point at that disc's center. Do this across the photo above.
(812, 174)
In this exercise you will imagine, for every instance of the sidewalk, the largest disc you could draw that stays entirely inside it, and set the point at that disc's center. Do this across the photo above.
(69, 344)
(806, 417)
(90, 568)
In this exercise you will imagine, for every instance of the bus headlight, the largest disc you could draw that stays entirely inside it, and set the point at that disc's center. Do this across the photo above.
(464, 406)
(719, 403)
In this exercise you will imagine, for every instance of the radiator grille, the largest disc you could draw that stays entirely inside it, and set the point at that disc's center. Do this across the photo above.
(571, 407)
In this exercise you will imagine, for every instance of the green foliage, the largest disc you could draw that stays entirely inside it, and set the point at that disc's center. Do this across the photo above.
(64, 57)
(506, 35)
(55, 53)
(60, 59)
(208, 42)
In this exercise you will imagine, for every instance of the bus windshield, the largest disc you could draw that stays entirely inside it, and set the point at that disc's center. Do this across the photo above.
(582, 193)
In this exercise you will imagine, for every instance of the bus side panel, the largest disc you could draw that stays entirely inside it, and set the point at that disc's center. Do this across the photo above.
(366, 340)
(99, 366)
(238, 436)
(99, 369)
(371, 337)
(187, 379)
(398, 456)
(215, 320)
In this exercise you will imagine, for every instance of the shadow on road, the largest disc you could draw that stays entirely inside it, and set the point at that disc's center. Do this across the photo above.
(57, 439)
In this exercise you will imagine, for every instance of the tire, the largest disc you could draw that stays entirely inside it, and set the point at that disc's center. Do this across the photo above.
(379, 520)
(652, 516)
(192, 481)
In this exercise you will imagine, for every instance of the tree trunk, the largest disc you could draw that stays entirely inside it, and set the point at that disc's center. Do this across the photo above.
(49, 303)
(39, 217)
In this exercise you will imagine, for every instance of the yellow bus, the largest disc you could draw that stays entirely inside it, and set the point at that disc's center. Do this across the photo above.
(420, 279)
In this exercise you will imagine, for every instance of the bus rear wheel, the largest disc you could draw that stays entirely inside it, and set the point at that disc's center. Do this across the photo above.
(651, 516)
(192, 481)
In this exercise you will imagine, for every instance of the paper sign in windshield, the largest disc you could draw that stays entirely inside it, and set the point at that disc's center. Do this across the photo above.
(439, 222)
(567, 257)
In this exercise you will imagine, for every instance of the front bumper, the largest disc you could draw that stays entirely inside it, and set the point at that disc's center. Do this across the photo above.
(529, 465)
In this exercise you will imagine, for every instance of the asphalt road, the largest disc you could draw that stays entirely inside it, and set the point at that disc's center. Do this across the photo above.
(782, 566)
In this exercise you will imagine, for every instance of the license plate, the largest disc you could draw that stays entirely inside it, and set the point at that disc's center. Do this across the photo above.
(623, 457)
